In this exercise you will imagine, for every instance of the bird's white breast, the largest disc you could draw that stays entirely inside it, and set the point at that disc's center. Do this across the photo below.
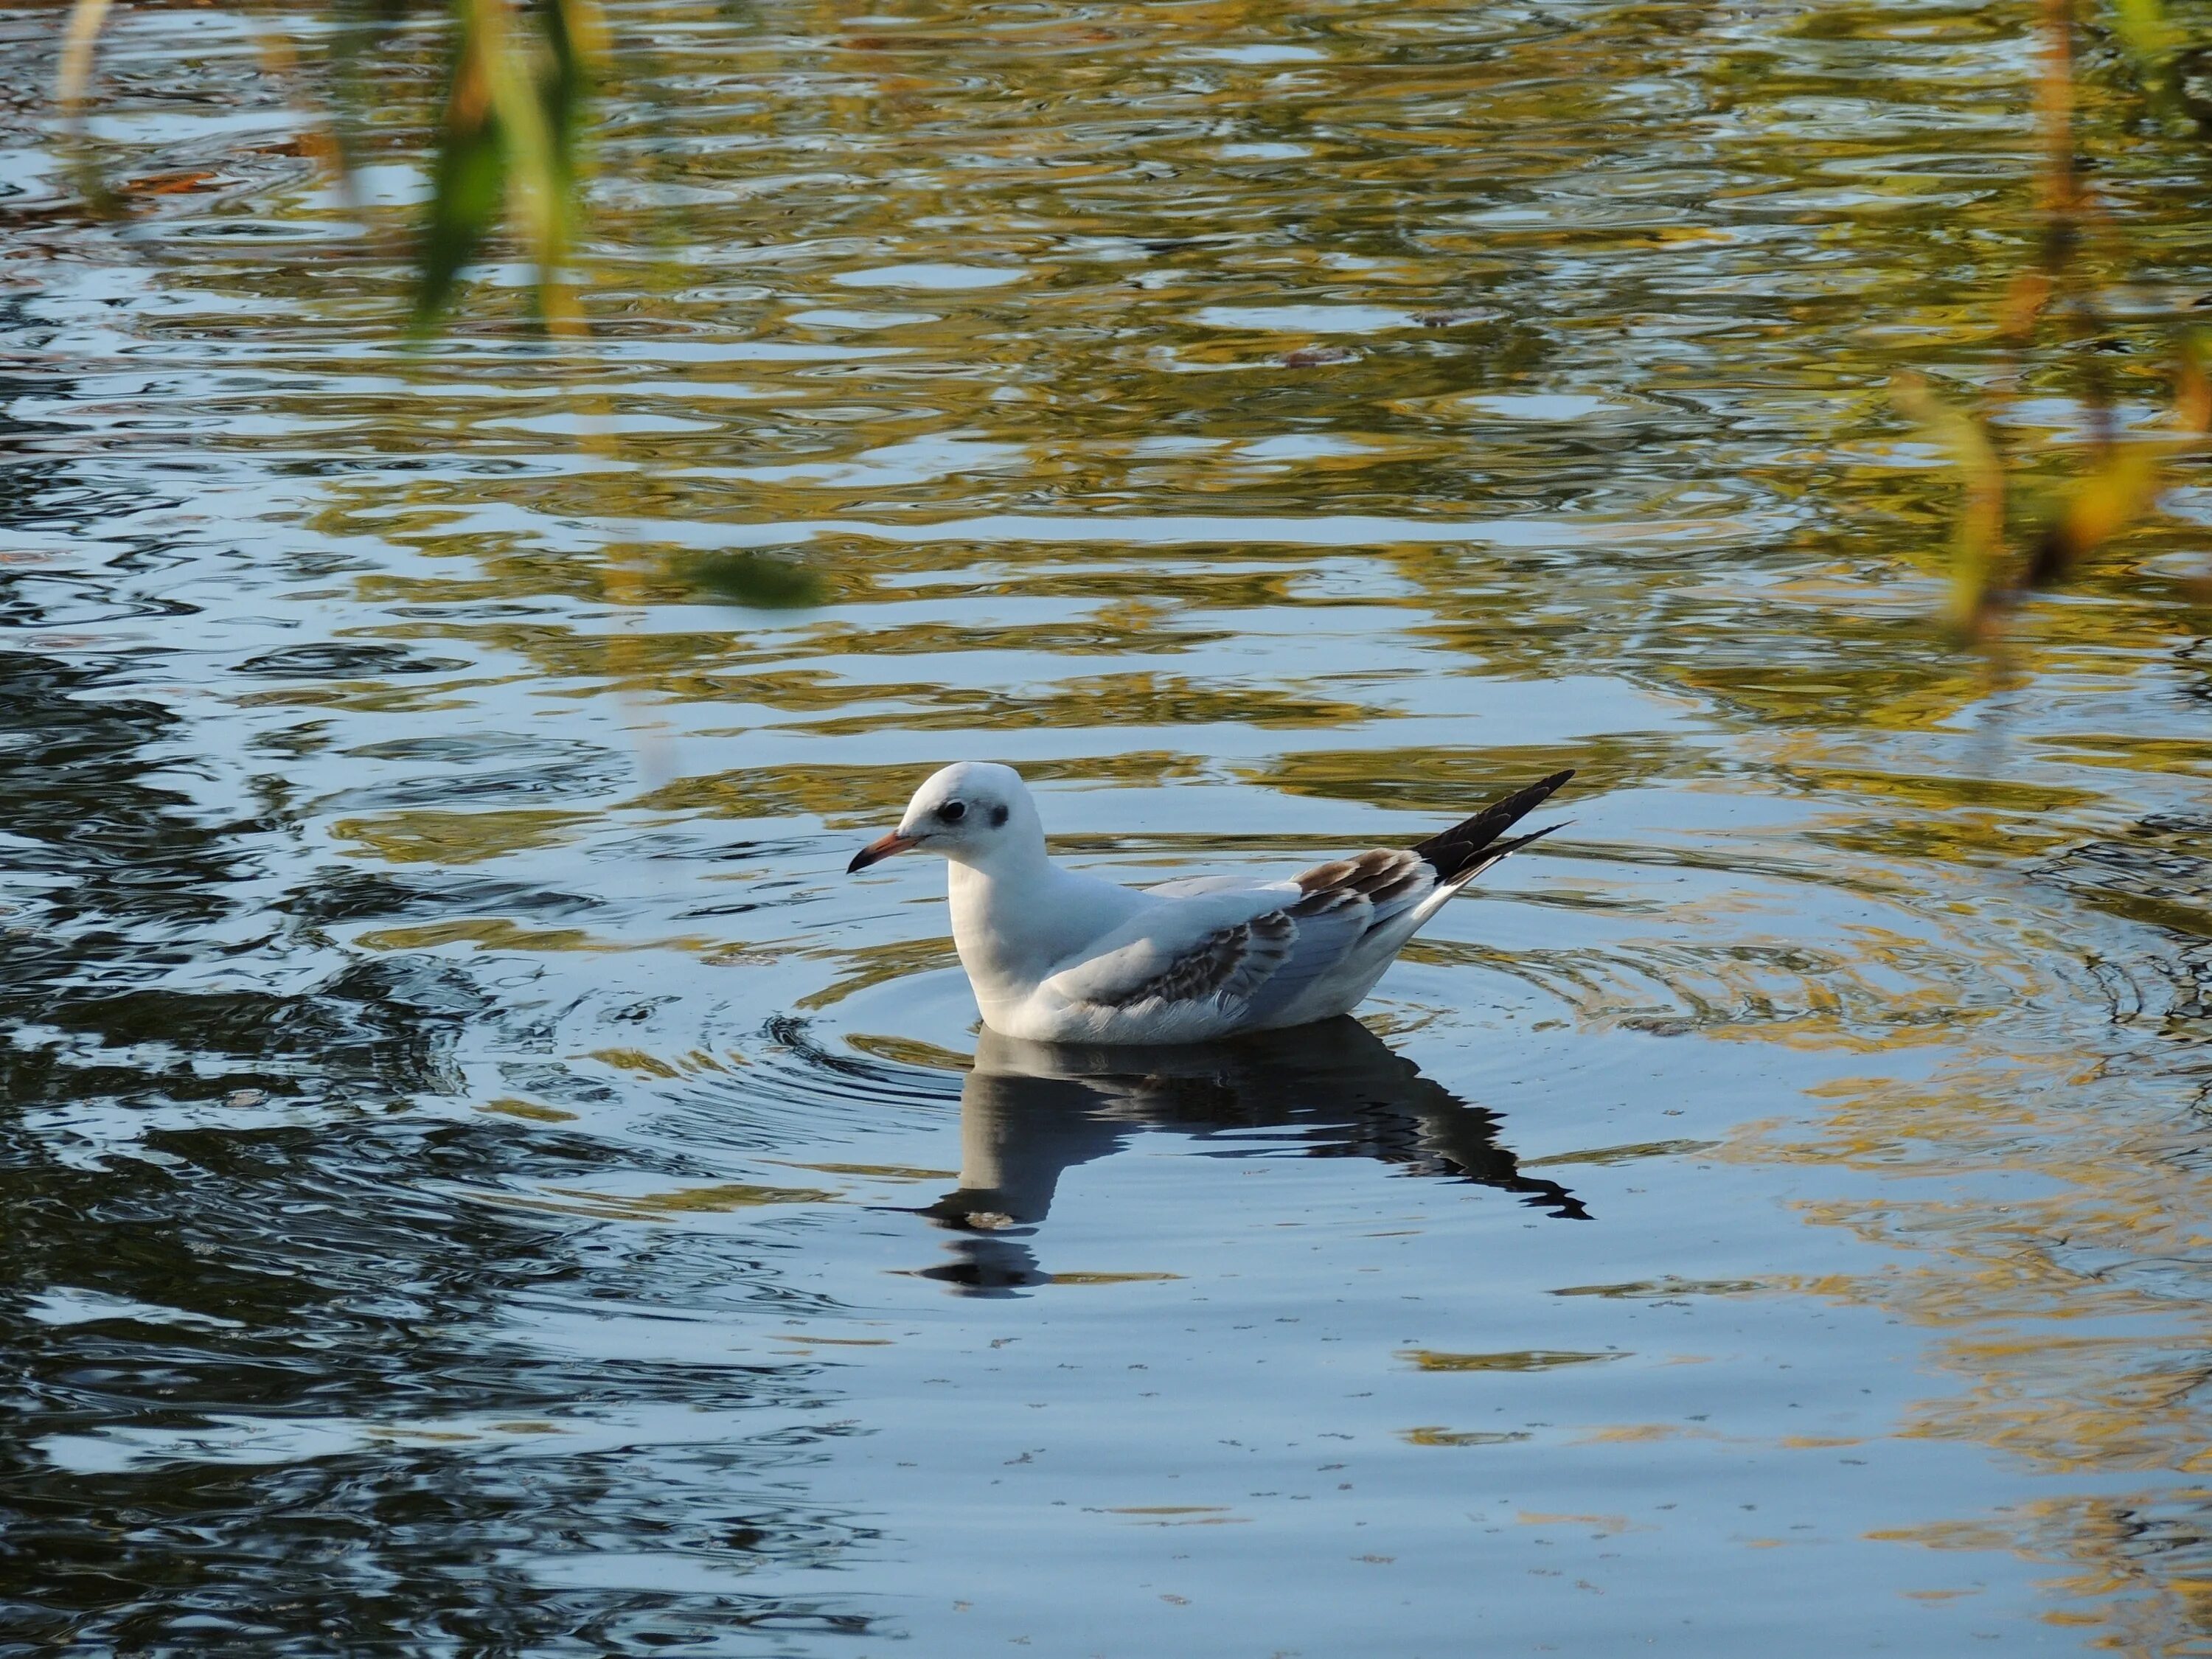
(1015, 929)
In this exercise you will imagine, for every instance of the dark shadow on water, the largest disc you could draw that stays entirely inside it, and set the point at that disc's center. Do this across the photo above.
(1030, 1111)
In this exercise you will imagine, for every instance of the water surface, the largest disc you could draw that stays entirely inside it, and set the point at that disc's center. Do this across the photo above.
(479, 1177)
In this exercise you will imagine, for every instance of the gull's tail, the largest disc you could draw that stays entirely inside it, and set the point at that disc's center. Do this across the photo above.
(1464, 852)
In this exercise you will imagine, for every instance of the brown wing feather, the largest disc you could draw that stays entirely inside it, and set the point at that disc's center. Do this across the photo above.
(1379, 876)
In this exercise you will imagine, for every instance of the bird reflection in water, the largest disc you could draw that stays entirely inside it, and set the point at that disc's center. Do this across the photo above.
(1030, 1110)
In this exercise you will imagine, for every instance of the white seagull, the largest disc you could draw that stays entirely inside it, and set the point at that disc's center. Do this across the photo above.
(1059, 957)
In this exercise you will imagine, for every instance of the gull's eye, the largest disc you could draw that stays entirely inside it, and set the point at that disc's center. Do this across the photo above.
(953, 811)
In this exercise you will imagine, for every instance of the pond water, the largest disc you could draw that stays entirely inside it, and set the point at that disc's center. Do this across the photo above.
(481, 1179)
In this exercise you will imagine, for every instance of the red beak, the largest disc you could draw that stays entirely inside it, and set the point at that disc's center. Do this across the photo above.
(875, 851)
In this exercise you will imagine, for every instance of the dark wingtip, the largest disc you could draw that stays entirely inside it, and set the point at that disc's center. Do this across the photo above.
(1455, 848)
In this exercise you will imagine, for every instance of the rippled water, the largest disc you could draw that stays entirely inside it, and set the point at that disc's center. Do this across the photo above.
(479, 1179)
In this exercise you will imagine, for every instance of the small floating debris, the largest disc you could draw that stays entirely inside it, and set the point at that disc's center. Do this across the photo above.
(507, 1106)
(1456, 318)
(1319, 357)
(1519, 1359)
(1443, 1436)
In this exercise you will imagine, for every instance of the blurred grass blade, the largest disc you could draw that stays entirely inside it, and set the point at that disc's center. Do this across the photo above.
(1978, 545)
(468, 181)
(2126, 487)
(72, 83)
(2145, 31)
(547, 122)
(74, 78)
(520, 88)
(521, 81)
(2098, 507)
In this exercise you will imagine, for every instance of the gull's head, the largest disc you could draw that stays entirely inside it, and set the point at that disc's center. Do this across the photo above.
(973, 813)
